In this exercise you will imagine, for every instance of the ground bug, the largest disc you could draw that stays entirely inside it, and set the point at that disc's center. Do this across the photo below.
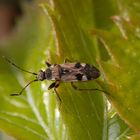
(67, 72)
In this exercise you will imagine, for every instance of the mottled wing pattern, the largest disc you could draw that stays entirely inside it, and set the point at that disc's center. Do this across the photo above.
(69, 72)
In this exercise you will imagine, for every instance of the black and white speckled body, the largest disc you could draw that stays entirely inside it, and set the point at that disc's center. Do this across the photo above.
(69, 72)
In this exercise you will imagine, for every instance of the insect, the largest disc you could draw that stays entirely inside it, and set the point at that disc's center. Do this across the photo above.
(67, 72)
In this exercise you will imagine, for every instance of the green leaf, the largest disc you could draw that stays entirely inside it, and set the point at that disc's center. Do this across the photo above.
(66, 32)
(82, 112)
(33, 115)
(122, 71)
(117, 128)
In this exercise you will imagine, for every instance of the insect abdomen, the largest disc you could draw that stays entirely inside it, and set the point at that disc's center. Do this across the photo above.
(91, 72)
(78, 72)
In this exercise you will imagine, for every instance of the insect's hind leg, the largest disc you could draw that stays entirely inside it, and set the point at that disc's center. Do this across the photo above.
(94, 89)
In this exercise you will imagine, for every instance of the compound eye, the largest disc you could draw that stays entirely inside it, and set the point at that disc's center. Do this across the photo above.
(41, 75)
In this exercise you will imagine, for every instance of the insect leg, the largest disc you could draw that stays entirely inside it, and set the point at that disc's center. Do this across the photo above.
(76, 88)
(67, 60)
(54, 86)
(47, 63)
(57, 94)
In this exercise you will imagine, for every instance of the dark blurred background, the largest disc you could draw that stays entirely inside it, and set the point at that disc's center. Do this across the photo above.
(11, 12)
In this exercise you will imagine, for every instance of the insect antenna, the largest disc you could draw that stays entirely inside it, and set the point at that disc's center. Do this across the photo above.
(18, 66)
(17, 94)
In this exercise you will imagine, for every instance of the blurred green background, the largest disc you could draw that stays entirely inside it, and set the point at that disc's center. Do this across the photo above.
(103, 33)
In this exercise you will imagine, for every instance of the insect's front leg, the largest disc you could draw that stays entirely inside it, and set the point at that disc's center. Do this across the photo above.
(57, 94)
(51, 86)
(54, 86)
(47, 63)
(93, 89)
